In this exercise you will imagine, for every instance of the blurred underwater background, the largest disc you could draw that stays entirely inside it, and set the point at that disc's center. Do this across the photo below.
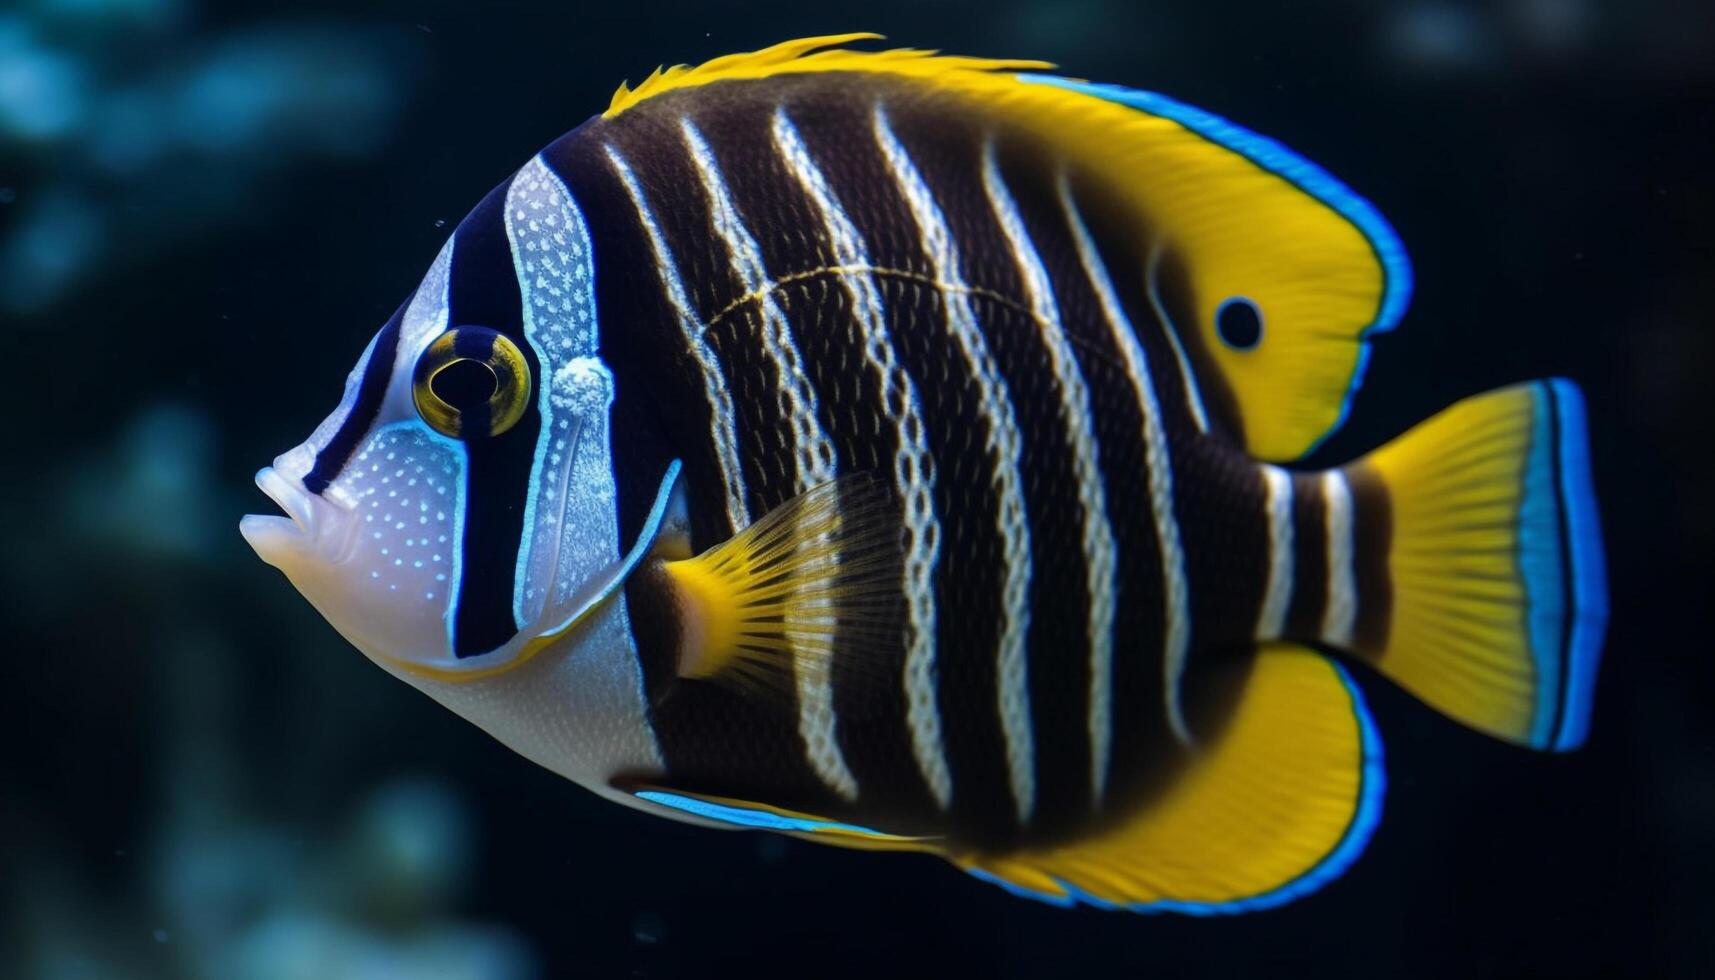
(206, 209)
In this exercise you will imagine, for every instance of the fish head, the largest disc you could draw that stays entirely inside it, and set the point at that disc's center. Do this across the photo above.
(455, 515)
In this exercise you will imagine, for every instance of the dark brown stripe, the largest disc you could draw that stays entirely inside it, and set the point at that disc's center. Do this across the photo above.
(969, 587)
(1310, 558)
(869, 699)
(1372, 537)
(1060, 664)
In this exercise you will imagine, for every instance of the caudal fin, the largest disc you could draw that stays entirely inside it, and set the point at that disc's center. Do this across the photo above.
(1499, 596)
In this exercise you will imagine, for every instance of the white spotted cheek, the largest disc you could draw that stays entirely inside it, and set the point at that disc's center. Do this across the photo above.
(391, 593)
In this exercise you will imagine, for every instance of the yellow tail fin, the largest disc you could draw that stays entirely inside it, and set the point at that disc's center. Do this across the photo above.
(1495, 564)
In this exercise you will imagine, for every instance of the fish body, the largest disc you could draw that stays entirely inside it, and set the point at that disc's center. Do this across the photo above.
(889, 449)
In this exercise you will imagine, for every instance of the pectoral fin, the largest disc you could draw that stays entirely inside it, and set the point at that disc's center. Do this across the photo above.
(773, 601)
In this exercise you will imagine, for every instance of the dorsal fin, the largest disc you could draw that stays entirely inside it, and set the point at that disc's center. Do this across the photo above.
(809, 54)
(1286, 271)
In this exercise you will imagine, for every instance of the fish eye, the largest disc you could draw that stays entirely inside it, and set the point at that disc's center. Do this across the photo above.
(471, 383)
(1239, 323)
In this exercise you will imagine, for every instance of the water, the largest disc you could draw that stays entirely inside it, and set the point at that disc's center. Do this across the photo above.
(206, 210)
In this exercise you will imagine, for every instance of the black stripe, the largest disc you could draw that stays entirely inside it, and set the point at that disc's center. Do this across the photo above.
(949, 153)
(1310, 558)
(660, 412)
(1219, 504)
(663, 163)
(869, 698)
(483, 290)
(1372, 538)
(371, 390)
(474, 420)
(1063, 591)
(712, 739)
(1220, 495)
(1568, 574)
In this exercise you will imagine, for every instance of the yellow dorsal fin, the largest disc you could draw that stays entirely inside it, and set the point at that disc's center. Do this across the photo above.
(1270, 273)
(1279, 805)
(809, 54)
(818, 573)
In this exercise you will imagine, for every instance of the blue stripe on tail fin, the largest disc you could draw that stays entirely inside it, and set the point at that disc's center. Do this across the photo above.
(1499, 599)
(1588, 576)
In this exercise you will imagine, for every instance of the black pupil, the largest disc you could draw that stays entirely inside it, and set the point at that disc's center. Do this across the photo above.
(1239, 323)
(464, 384)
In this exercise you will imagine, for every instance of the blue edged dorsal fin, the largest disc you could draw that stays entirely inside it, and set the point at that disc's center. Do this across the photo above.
(1285, 272)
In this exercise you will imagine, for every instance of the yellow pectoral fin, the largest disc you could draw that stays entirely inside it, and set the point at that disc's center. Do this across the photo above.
(1279, 805)
(773, 601)
(762, 816)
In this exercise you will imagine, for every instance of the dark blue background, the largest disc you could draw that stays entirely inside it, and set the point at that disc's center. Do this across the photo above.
(198, 237)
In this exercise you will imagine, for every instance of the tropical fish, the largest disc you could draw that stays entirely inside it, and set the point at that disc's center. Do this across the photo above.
(894, 450)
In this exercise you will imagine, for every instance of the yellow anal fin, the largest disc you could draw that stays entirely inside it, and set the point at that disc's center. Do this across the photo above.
(745, 814)
(1280, 804)
(772, 602)
(1279, 272)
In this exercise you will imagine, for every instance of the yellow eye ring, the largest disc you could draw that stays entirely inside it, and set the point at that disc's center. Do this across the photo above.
(472, 383)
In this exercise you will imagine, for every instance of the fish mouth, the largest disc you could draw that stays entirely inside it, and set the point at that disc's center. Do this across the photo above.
(272, 534)
(291, 499)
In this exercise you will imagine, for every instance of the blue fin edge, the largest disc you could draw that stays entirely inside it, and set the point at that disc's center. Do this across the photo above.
(744, 817)
(1276, 158)
(1372, 787)
(1589, 576)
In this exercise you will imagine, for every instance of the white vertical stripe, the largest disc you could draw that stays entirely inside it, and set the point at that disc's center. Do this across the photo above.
(1097, 533)
(1003, 444)
(1157, 457)
(1271, 621)
(1342, 607)
(723, 419)
(913, 464)
(1193, 394)
(814, 451)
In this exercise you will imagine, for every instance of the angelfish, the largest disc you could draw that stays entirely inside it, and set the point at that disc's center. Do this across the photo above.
(895, 450)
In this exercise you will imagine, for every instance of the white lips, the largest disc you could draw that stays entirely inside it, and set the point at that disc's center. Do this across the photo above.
(270, 533)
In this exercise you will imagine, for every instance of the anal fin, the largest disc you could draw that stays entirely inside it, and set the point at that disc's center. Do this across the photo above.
(1278, 805)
